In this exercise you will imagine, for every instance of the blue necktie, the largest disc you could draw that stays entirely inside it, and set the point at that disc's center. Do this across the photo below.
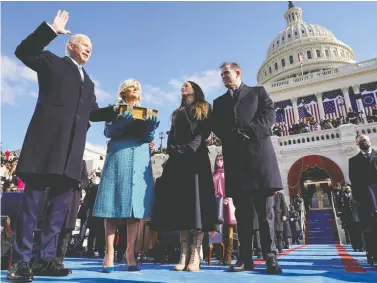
(367, 156)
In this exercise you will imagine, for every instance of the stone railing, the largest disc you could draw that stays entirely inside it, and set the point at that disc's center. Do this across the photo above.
(309, 138)
(367, 129)
(345, 132)
(340, 71)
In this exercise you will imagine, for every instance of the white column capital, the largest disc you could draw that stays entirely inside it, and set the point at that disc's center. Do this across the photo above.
(318, 95)
(294, 99)
(356, 89)
(345, 90)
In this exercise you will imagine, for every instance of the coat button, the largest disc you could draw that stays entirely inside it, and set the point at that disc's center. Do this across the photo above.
(78, 117)
(81, 101)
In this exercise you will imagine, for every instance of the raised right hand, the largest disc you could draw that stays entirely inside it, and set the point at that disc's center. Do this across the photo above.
(58, 25)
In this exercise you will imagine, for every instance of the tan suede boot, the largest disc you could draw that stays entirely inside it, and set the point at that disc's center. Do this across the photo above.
(185, 251)
(197, 240)
(228, 254)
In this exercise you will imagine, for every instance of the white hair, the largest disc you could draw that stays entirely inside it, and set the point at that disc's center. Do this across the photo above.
(127, 84)
(75, 39)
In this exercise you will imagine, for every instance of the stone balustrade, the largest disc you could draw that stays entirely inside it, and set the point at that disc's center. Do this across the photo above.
(340, 71)
(326, 137)
(311, 137)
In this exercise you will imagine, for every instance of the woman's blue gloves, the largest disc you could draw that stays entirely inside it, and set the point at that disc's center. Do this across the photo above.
(152, 123)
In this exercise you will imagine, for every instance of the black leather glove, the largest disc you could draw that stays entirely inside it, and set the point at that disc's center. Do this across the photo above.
(240, 134)
(179, 150)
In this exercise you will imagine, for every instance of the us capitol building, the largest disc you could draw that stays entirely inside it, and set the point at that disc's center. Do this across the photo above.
(307, 66)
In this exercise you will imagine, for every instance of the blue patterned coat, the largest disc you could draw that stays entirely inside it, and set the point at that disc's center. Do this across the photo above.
(126, 189)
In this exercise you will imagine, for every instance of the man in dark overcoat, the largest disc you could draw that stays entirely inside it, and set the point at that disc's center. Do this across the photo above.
(281, 211)
(362, 174)
(54, 144)
(242, 119)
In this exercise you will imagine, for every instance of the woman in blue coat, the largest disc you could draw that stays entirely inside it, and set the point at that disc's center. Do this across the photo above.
(126, 189)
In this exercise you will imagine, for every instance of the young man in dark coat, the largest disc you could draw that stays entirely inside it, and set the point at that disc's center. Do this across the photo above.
(242, 119)
(54, 143)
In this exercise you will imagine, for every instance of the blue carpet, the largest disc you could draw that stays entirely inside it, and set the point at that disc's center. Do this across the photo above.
(321, 230)
(311, 264)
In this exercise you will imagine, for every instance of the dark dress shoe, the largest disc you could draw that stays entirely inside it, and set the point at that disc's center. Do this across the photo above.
(272, 266)
(60, 265)
(20, 272)
(241, 266)
(49, 268)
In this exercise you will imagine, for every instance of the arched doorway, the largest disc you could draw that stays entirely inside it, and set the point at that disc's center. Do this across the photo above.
(312, 177)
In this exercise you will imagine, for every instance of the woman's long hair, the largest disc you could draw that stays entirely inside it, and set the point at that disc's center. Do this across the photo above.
(200, 104)
(215, 166)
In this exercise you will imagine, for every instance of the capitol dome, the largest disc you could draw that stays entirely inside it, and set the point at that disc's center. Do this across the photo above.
(319, 46)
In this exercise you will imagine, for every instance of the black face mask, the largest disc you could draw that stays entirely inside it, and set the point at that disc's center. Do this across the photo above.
(364, 145)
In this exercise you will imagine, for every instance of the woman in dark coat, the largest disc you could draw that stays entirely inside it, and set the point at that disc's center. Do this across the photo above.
(185, 195)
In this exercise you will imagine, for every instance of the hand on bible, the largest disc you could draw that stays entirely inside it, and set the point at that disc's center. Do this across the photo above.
(58, 25)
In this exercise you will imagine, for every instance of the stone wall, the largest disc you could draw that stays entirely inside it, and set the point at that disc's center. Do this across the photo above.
(159, 159)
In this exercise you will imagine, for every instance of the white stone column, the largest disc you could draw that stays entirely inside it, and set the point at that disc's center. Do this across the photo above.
(360, 105)
(346, 97)
(318, 95)
(295, 109)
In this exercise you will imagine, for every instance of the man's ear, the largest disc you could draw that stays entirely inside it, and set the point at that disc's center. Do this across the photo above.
(70, 46)
(238, 72)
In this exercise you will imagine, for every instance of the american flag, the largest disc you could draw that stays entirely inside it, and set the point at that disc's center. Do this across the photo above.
(369, 99)
(313, 108)
(280, 120)
(333, 109)
(301, 58)
(284, 113)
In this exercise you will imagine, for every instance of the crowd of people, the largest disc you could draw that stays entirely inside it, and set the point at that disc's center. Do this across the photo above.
(306, 125)
(346, 210)
(9, 180)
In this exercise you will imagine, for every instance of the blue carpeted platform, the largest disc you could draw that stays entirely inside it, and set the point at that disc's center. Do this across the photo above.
(311, 264)
(321, 230)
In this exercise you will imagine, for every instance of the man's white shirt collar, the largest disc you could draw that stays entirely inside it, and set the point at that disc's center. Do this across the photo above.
(74, 61)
